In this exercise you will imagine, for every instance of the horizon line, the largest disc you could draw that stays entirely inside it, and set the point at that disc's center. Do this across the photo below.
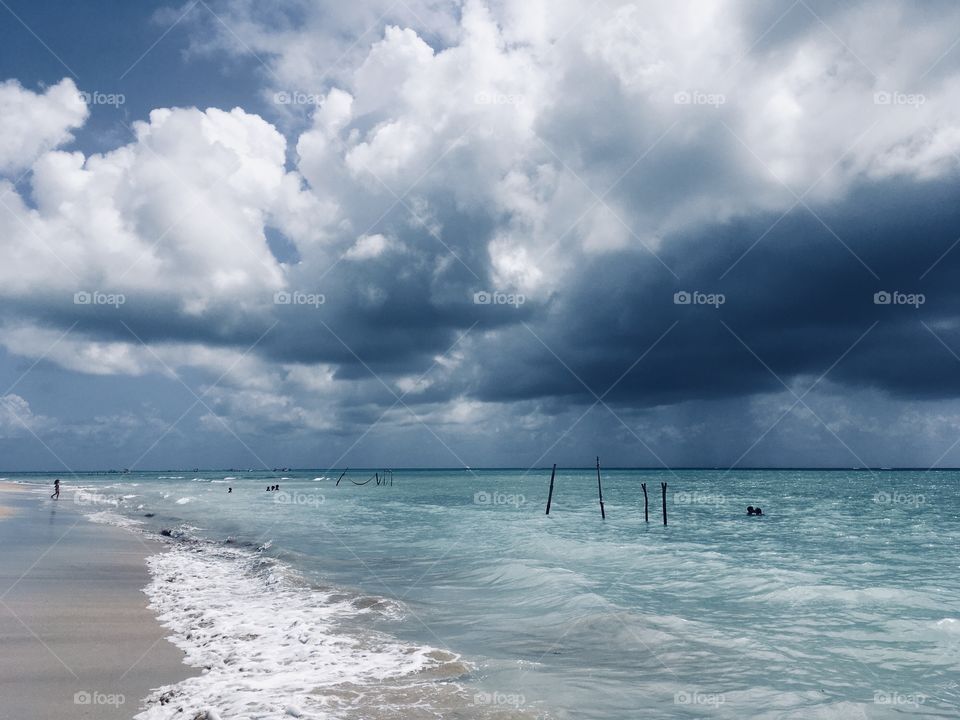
(376, 468)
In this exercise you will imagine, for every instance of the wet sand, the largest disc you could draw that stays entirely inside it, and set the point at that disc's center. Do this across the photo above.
(76, 637)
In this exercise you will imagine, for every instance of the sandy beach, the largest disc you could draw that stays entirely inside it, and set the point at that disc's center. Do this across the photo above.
(78, 640)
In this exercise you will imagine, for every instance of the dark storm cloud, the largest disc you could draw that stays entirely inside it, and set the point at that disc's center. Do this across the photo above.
(798, 299)
(396, 311)
(796, 302)
(381, 316)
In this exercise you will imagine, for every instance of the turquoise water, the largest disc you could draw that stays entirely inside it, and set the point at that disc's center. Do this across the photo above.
(842, 601)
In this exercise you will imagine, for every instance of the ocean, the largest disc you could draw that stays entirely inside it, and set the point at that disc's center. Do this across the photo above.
(450, 594)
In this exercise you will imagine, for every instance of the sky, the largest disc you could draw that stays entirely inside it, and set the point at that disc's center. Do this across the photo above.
(492, 233)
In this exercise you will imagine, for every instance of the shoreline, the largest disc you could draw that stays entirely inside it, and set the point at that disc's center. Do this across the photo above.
(79, 639)
(269, 645)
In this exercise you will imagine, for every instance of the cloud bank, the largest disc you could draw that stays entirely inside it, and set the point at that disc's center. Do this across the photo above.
(483, 219)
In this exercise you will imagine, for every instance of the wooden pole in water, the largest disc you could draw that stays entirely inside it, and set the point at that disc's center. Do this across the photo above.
(550, 494)
(663, 489)
(341, 477)
(646, 504)
(603, 513)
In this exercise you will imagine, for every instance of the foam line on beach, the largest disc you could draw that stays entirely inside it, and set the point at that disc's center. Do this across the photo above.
(271, 645)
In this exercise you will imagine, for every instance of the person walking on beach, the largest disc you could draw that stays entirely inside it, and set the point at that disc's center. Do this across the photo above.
(56, 490)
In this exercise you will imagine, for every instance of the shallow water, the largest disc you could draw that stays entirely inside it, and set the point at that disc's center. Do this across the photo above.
(450, 593)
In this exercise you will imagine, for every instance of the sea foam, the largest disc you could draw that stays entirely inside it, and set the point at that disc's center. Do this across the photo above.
(271, 645)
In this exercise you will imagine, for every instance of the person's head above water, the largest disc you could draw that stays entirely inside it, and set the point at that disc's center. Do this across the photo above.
(749, 509)
(758, 511)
